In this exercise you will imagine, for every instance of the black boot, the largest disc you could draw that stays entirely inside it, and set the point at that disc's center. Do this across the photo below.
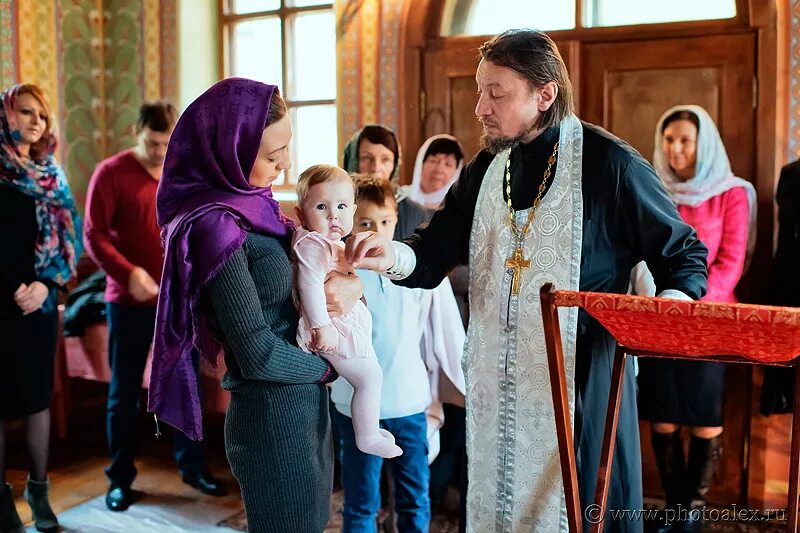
(9, 519)
(704, 455)
(668, 449)
(43, 516)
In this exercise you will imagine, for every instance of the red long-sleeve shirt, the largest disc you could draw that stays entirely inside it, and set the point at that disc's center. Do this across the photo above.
(120, 229)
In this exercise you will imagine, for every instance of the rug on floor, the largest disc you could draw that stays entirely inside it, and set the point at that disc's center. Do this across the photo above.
(154, 512)
(444, 520)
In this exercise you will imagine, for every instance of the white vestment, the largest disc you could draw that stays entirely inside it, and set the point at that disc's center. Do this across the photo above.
(515, 480)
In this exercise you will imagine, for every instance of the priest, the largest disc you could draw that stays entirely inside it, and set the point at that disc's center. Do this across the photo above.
(548, 199)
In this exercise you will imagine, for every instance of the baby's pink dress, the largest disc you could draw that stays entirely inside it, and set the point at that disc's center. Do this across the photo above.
(315, 256)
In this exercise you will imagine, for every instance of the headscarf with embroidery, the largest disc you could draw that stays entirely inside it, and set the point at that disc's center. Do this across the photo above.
(59, 242)
(713, 174)
(205, 207)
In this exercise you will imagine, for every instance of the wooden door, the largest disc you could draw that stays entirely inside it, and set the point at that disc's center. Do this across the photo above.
(625, 86)
(451, 91)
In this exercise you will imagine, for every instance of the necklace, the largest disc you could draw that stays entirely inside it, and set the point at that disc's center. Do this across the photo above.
(517, 262)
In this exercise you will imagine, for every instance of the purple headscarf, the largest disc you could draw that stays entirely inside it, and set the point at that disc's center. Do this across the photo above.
(205, 208)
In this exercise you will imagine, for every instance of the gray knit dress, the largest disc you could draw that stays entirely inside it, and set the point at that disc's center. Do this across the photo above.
(277, 429)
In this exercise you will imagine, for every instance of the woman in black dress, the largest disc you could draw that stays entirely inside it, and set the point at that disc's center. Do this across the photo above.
(40, 242)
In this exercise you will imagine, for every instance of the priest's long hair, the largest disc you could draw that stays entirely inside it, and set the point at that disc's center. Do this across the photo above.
(534, 56)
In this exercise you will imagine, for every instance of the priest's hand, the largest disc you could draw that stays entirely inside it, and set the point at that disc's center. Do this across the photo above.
(370, 250)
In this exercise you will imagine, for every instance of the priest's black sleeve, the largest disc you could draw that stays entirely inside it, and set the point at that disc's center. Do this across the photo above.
(654, 228)
(444, 242)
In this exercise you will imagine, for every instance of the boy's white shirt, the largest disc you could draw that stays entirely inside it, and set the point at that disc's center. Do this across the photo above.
(405, 390)
(440, 347)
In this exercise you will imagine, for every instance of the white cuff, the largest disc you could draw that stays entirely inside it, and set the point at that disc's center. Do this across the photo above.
(673, 294)
(405, 261)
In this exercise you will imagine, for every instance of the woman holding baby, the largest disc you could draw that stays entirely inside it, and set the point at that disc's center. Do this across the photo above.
(228, 282)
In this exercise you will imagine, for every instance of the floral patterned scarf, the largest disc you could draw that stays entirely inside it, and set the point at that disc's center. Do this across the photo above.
(58, 243)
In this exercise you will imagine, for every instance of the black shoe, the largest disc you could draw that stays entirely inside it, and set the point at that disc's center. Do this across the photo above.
(43, 516)
(668, 448)
(205, 483)
(9, 519)
(119, 498)
(704, 454)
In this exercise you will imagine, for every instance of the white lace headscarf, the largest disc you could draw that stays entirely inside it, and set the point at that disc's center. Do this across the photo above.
(415, 191)
(713, 174)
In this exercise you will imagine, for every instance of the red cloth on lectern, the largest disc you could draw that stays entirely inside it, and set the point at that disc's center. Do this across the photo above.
(658, 325)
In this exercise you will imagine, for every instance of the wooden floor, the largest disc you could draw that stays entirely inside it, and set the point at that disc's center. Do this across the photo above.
(77, 475)
(777, 460)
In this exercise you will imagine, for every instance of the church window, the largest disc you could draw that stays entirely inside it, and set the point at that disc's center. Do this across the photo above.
(488, 17)
(291, 44)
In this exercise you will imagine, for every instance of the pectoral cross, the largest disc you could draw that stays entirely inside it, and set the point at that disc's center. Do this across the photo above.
(517, 263)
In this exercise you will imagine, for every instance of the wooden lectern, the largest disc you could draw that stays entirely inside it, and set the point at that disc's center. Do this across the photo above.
(658, 327)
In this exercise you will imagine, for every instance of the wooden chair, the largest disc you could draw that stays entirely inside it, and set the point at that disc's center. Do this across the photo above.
(656, 327)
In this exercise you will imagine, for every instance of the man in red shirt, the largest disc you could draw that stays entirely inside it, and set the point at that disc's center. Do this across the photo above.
(122, 237)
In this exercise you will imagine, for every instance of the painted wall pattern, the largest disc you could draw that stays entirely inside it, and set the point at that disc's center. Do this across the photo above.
(98, 60)
(794, 84)
(368, 51)
(7, 37)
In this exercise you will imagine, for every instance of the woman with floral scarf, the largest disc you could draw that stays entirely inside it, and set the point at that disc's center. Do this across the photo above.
(41, 244)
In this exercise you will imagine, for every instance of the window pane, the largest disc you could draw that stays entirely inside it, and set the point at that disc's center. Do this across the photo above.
(627, 12)
(256, 50)
(306, 3)
(315, 138)
(254, 6)
(312, 49)
(489, 17)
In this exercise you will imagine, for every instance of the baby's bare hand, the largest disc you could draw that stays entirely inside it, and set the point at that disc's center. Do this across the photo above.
(324, 339)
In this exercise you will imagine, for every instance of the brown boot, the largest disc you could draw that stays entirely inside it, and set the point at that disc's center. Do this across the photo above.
(9, 519)
(43, 516)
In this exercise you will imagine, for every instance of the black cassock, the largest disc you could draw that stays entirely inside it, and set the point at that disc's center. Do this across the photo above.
(627, 217)
(777, 394)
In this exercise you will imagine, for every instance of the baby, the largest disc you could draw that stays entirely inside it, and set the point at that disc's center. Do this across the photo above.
(325, 207)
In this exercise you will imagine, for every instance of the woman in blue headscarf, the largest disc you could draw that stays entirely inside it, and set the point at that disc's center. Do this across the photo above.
(227, 282)
(40, 243)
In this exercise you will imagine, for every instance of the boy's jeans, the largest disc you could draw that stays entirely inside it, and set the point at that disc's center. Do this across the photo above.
(361, 476)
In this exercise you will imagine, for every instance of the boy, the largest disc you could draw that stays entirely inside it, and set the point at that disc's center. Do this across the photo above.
(400, 318)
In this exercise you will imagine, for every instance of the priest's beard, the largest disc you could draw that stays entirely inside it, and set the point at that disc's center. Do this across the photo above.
(496, 145)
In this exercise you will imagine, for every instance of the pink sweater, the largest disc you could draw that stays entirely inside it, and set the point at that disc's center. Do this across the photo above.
(722, 224)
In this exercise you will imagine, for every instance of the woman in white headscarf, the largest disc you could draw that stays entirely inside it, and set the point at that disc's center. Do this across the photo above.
(438, 165)
(694, 168)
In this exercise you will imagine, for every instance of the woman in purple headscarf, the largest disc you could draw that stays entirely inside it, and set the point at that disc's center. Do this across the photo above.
(227, 281)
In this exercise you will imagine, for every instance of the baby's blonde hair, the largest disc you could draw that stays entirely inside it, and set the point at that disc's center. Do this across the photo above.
(317, 174)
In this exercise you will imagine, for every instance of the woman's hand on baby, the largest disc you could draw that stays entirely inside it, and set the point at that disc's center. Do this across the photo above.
(324, 339)
(370, 250)
(342, 291)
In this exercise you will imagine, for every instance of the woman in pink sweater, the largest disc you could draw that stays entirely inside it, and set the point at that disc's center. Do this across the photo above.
(692, 163)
